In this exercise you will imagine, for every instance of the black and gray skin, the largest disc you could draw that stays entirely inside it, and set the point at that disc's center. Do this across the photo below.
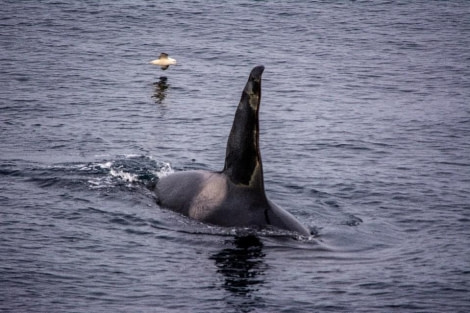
(234, 197)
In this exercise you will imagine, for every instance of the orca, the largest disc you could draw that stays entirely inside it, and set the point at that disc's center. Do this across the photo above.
(235, 196)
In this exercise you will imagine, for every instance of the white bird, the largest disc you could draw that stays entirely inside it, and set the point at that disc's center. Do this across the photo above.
(163, 61)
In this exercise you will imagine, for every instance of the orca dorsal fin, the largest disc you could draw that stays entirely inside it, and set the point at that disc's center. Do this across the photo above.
(243, 159)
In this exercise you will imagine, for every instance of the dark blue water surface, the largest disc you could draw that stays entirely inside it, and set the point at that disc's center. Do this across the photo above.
(365, 137)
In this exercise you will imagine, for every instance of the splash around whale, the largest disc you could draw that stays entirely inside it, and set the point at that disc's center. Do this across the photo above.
(235, 196)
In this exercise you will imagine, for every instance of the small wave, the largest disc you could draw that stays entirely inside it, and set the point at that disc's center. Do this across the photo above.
(106, 165)
(127, 169)
(194, 227)
(125, 176)
(118, 171)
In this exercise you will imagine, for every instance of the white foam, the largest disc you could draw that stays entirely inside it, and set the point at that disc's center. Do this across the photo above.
(87, 167)
(124, 175)
(106, 165)
(164, 170)
(99, 183)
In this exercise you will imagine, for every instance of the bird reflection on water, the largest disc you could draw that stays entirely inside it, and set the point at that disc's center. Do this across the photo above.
(242, 267)
(160, 91)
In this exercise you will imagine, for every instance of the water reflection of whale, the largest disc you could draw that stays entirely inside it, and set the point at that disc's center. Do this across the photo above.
(160, 89)
(242, 267)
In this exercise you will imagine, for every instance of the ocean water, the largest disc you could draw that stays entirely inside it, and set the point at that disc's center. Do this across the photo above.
(365, 138)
